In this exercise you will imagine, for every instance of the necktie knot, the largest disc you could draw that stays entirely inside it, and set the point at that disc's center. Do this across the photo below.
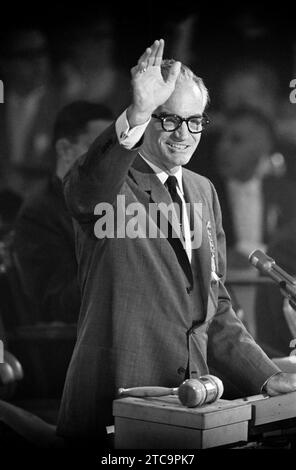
(171, 184)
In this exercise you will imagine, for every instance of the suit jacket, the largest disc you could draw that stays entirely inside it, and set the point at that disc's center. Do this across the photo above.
(139, 321)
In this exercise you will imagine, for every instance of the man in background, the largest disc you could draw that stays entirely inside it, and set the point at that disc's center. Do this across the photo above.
(44, 236)
(27, 114)
(44, 255)
(251, 184)
(275, 320)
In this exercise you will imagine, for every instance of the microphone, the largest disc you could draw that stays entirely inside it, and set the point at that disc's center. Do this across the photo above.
(267, 265)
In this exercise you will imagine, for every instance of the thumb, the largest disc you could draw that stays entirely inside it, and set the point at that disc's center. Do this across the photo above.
(173, 73)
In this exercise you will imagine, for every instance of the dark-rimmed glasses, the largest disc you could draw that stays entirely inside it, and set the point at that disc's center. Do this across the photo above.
(172, 122)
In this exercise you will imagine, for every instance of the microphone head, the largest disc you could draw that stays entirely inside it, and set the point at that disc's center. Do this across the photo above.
(261, 261)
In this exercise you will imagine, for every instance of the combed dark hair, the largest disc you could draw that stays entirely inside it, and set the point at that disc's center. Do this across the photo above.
(71, 121)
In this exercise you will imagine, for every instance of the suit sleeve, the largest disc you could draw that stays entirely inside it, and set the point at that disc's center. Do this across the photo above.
(97, 176)
(231, 349)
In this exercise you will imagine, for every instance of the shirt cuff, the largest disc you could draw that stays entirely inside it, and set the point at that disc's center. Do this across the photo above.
(129, 137)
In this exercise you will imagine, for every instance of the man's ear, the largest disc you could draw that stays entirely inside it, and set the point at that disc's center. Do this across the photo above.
(64, 150)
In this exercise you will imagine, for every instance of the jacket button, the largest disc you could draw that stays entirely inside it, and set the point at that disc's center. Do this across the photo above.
(181, 370)
(189, 290)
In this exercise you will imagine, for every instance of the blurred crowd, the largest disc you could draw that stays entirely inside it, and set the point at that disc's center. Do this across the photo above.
(36, 88)
(248, 151)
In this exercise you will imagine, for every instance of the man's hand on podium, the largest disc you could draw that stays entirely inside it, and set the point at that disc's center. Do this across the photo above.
(282, 382)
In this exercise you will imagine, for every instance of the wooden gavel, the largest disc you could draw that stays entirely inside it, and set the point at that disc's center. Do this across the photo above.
(191, 393)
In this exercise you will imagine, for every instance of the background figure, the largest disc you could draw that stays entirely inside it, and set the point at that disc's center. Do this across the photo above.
(26, 117)
(251, 183)
(250, 84)
(244, 85)
(45, 261)
(44, 256)
(274, 321)
(10, 202)
(44, 238)
(88, 69)
(285, 129)
(273, 331)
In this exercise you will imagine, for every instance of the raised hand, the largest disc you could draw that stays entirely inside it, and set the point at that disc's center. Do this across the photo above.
(150, 90)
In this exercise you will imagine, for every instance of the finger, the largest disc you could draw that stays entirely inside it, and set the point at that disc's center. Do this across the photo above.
(144, 57)
(159, 53)
(174, 72)
(152, 55)
(137, 70)
(142, 67)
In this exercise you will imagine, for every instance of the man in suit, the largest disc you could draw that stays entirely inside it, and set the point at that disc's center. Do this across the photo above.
(28, 112)
(249, 178)
(154, 309)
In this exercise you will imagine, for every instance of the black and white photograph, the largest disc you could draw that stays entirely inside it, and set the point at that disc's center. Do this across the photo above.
(147, 232)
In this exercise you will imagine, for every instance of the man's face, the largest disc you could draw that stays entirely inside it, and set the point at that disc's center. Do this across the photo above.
(169, 150)
(243, 142)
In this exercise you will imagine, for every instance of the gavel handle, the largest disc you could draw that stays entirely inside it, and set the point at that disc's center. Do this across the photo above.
(147, 391)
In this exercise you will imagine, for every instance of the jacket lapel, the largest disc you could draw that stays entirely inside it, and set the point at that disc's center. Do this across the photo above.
(147, 180)
(199, 218)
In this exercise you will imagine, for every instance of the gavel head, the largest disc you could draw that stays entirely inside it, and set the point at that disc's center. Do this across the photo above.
(197, 392)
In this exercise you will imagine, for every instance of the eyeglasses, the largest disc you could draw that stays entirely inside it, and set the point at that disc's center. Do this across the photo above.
(172, 122)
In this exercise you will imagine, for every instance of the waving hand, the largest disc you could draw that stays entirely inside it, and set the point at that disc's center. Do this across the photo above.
(150, 90)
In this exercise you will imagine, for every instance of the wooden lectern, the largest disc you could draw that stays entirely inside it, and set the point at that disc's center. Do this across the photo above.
(164, 423)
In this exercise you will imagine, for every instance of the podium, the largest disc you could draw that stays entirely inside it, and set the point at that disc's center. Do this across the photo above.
(164, 423)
